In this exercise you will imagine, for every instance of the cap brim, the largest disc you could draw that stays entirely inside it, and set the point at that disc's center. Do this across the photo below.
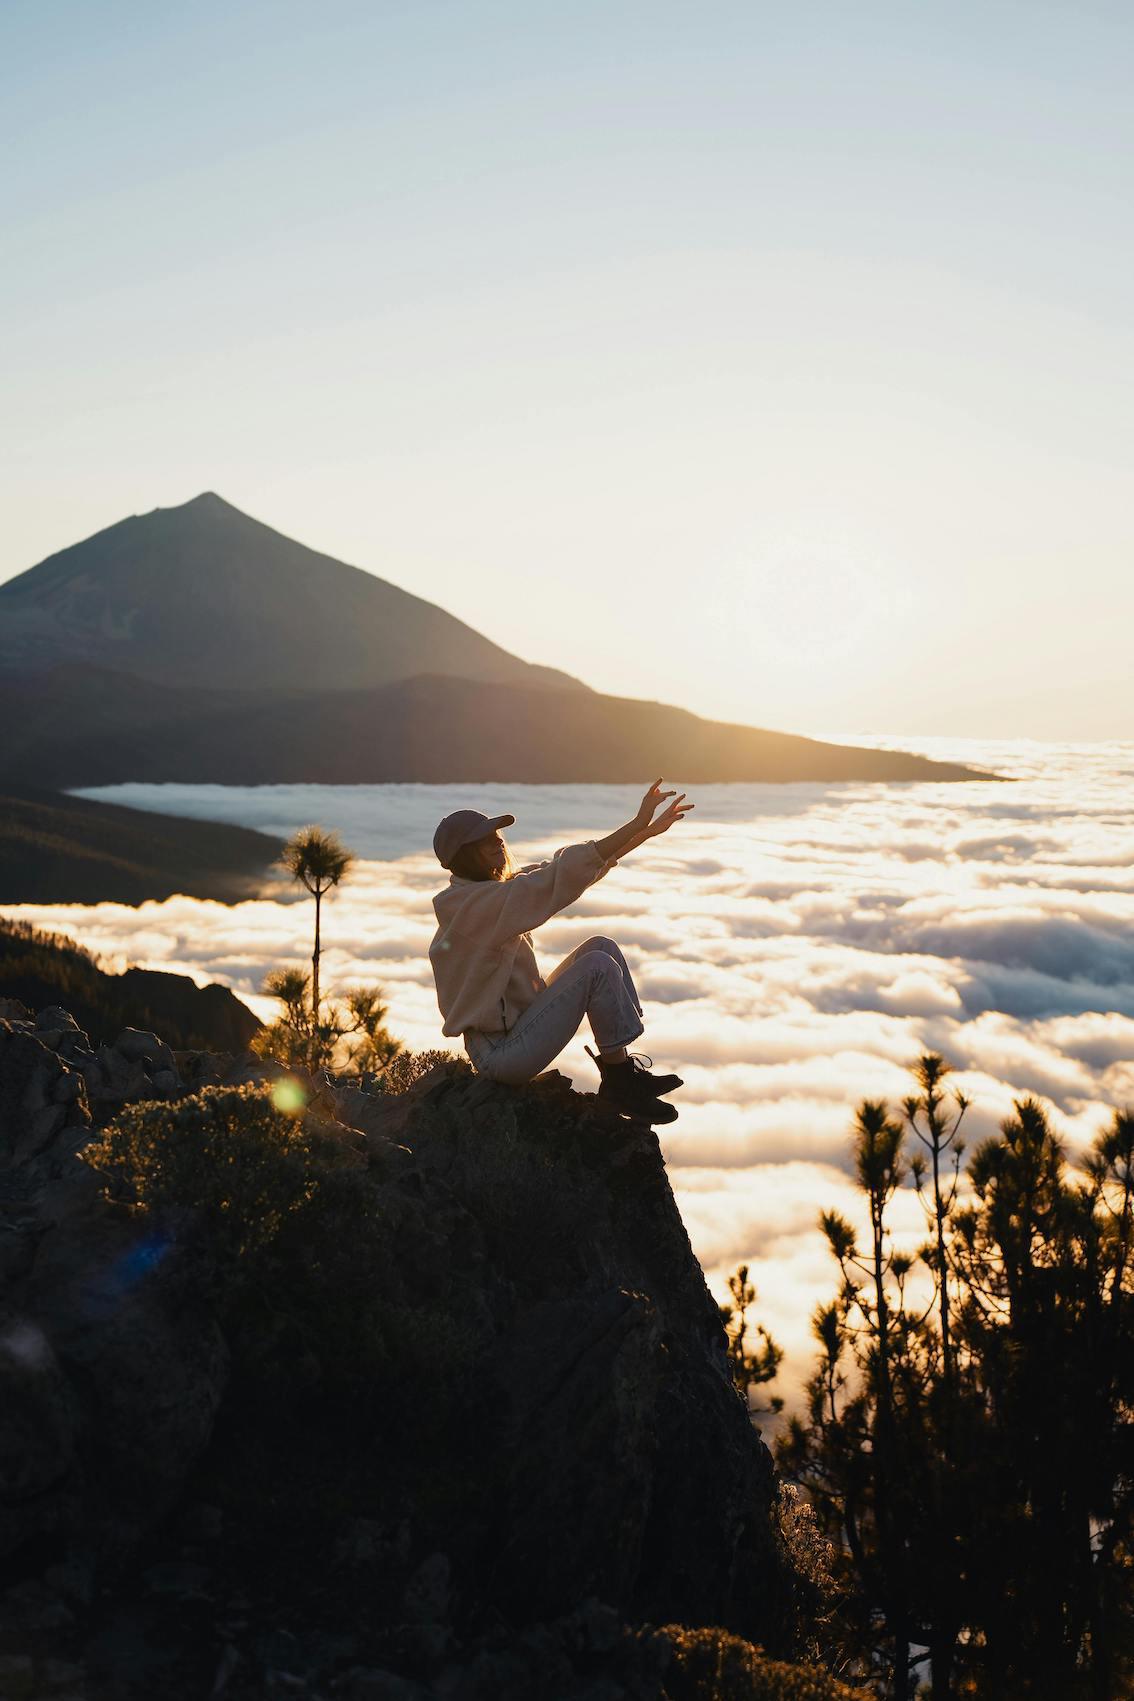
(501, 821)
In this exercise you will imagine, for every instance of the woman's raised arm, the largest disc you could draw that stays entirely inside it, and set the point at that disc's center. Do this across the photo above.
(497, 911)
(643, 826)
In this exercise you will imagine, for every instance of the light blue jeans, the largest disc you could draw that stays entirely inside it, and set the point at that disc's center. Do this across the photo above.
(593, 982)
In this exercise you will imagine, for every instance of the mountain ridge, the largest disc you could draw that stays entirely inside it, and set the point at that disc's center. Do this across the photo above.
(82, 726)
(198, 644)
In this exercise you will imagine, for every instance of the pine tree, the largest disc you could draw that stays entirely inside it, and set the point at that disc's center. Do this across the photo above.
(752, 1365)
(973, 1458)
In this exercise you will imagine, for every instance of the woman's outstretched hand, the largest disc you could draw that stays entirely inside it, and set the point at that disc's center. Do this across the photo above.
(648, 828)
(653, 797)
(643, 826)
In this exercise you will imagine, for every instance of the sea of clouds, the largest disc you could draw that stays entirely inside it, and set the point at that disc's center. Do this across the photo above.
(795, 948)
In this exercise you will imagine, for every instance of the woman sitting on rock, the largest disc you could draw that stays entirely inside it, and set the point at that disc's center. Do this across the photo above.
(489, 989)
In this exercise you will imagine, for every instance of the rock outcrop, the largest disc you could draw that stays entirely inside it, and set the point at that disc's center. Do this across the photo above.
(477, 1430)
(38, 969)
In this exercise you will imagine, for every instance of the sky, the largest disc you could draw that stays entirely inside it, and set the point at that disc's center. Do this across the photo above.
(771, 360)
(794, 947)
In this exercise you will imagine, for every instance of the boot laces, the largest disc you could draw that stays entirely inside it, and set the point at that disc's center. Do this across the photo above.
(638, 1061)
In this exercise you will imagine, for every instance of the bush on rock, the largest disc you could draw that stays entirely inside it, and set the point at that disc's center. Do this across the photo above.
(228, 1160)
(710, 1665)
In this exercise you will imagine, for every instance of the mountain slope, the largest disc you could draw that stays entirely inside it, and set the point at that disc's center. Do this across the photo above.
(83, 727)
(204, 595)
(71, 850)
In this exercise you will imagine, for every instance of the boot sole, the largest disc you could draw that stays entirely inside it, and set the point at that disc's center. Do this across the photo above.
(652, 1113)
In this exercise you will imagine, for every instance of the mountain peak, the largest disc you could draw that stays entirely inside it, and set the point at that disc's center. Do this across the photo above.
(207, 502)
(203, 594)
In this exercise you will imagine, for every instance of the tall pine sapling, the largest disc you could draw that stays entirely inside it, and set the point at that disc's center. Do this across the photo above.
(928, 1118)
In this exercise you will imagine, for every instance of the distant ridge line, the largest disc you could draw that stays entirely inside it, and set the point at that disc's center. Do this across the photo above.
(86, 727)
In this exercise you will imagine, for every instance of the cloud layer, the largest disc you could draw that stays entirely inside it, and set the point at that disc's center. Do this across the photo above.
(795, 948)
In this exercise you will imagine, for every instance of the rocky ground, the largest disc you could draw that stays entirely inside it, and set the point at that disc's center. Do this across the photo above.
(464, 1429)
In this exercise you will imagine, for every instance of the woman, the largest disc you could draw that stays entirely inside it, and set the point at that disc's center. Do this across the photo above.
(490, 992)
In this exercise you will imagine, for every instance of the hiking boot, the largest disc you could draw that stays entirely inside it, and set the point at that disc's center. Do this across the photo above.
(628, 1087)
(658, 1084)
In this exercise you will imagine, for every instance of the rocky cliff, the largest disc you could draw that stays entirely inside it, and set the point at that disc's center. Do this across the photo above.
(309, 1390)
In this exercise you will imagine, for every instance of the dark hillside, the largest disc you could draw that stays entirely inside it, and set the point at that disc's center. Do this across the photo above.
(82, 726)
(57, 849)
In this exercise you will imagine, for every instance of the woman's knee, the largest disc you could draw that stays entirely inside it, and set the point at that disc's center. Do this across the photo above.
(599, 942)
(600, 964)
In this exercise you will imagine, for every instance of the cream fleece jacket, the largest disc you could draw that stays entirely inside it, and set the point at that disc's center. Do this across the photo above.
(482, 956)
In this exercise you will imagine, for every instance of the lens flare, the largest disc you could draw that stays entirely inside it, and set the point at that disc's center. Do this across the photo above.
(288, 1096)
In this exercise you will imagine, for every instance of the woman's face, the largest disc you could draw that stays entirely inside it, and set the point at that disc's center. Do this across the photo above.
(490, 850)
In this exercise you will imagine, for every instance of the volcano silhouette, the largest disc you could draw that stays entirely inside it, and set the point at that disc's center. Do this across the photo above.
(197, 644)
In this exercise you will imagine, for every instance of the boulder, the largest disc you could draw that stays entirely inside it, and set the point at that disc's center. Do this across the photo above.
(53, 1016)
(34, 1080)
(109, 1375)
(44, 1124)
(145, 1364)
(139, 1047)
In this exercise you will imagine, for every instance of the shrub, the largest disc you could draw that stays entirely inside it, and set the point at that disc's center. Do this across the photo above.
(818, 1632)
(407, 1068)
(294, 1243)
(351, 1034)
(712, 1665)
(226, 1167)
(351, 1351)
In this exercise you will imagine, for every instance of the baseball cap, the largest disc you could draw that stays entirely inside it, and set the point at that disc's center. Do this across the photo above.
(461, 828)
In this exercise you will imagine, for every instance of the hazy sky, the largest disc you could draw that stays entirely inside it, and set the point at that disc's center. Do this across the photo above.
(773, 360)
